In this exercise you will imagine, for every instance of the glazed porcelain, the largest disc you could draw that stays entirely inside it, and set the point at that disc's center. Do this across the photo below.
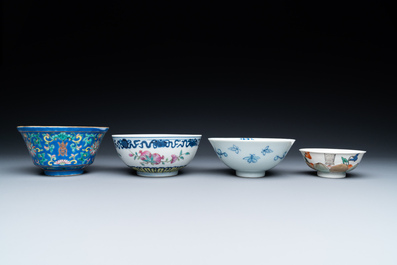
(62, 150)
(251, 157)
(156, 155)
(332, 163)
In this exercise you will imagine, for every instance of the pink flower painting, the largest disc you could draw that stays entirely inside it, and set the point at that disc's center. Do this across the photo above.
(173, 158)
(157, 158)
(146, 157)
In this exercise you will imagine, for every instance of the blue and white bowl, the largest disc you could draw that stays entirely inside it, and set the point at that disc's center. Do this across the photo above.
(156, 155)
(62, 150)
(251, 157)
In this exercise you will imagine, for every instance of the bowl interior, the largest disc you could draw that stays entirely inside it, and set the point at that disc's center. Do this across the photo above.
(61, 128)
(156, 136)
(331, 151)
(247, 140)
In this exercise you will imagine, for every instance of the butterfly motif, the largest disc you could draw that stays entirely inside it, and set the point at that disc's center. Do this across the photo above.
(235, 148)
(252, 158)
(266, 151)
(220, 153)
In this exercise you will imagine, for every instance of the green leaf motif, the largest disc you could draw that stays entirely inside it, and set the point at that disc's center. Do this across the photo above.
(61, 136)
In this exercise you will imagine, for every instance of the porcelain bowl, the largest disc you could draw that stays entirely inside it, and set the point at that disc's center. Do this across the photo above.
(251, 157)
(332, 163)
(156, 155)
(62, 150)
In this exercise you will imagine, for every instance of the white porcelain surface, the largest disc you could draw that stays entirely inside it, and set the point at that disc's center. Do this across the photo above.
(251, 157)
(156, 155)
(332, 163)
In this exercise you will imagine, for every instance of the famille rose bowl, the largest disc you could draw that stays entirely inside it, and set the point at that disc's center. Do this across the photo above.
(156, 155)
(62, 150)
(251, 157)
(332, 163)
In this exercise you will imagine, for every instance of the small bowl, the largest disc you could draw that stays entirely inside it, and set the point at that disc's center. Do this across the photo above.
(156, 155)
(62, 150)
(251, 157)
(332, 163)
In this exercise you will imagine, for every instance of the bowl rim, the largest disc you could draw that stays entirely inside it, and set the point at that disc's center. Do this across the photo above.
(156, 135)
(61, 126)
(316, 150)
(253, 139)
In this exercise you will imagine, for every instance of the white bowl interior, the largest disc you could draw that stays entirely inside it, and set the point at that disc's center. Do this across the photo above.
(156, 135)
(242, 139)
(60, 127)
(331, 151)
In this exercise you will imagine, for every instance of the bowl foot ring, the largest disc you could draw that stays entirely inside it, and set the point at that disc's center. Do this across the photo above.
(245, 174)
(61, 173)
(332, 175)
(157, 174)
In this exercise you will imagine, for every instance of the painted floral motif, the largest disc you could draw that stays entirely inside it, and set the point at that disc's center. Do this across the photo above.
(307, 157)
(252, 158)
(62, 162)
(266, 150)
(235, 149)
(94, 148)
(63, 148)
(148, 158)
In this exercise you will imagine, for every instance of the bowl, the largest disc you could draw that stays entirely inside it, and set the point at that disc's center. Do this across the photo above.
(156, 155)
(251, 157)
(62, 150)
(332, 163)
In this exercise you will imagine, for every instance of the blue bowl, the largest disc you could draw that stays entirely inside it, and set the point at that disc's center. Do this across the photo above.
(62, 150)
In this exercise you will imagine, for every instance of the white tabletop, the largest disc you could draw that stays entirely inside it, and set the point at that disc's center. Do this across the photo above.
(205, 215)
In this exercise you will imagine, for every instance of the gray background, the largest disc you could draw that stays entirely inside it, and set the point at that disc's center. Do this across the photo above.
(319, 73)
(205, 215)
